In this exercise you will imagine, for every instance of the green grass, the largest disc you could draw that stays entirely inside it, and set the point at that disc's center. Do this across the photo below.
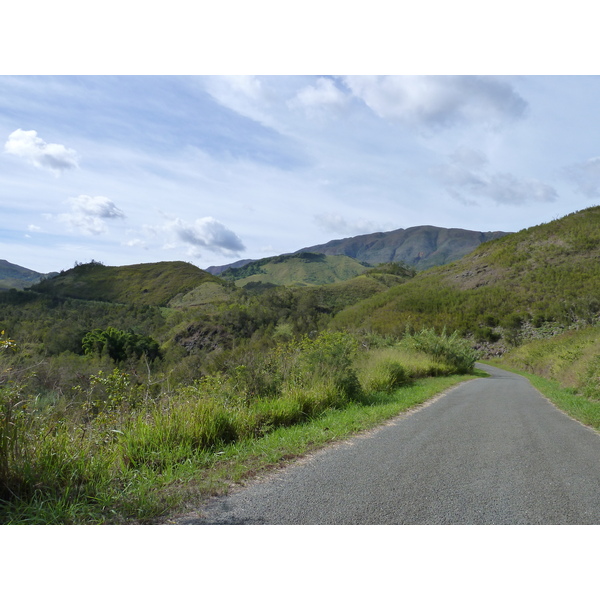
(241, 461)
(146, 493)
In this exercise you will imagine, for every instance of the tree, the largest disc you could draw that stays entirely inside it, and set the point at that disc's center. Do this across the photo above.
(119, 345)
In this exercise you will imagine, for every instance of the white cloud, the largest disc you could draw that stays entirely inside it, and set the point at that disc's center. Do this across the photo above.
(324, 93)
(135, 243)
(434, 101)
(465, 177)
(89, 213)
(207, 233)
(336, 223)
(244, 94)
(586, 176)
(54, 157)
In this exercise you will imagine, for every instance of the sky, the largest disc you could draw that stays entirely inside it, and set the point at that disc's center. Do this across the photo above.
(207, 147)
(130, 169)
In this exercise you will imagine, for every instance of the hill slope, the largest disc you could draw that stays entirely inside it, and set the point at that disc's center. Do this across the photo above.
(550, 272)
(304, 268)
(148, 284)
(14, 276)
(419, 247)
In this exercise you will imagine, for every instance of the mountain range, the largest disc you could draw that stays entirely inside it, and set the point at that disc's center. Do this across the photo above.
(419, 247)
(546, 276)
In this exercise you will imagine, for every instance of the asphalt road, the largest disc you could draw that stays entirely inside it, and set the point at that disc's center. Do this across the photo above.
(491, 451)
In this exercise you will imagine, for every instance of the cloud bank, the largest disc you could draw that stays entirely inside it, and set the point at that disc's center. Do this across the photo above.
(466, 179)
(323, 94)
(438, 101)
(336, 223)
(53, 157)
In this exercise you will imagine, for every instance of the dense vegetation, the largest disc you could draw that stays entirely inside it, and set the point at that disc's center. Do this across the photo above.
(146, 284)
(549, 274)
(120, 385)
(304, 268)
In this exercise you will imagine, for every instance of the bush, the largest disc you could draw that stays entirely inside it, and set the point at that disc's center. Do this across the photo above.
(452, 349)
(120, 345)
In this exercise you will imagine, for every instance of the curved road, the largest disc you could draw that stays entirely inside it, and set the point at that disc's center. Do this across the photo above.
(491, 451)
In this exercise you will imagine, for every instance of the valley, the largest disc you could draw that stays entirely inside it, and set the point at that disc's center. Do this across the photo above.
(124, 389)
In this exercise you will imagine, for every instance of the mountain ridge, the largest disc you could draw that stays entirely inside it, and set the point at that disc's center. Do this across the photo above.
(421, 247)
(549, 273)
(18, 277)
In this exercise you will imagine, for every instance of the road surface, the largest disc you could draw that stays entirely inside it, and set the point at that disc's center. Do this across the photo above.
(491, 451)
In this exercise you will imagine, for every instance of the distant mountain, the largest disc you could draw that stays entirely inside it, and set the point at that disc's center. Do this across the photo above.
(149, 283)
(303, 268)
(14, 276)
(419, 247)
(549, 273)
(235, 265)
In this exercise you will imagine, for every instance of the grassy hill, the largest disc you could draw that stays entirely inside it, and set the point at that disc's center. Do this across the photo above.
(148, 284)
(547, 273)
(14, 276)
(304, 268)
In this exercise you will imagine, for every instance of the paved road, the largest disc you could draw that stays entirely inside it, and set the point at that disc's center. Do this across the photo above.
(491, 451)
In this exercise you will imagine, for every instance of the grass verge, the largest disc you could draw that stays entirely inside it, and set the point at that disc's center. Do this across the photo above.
(573, 404)
(145, 495)
(245, 460)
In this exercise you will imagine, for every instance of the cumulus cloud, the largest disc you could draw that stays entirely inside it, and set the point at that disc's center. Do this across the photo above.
(336, 223)
(89, 213)
(207, 233)
(467, 179)
(439, 101)
(586, 177)
(54, 157)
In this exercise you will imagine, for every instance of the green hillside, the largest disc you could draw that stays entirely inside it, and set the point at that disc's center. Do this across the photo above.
(304, 268)
(148, 284)
(547, 273)
(14, 276)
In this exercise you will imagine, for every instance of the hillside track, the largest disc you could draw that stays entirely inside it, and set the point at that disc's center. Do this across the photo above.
(491, 451)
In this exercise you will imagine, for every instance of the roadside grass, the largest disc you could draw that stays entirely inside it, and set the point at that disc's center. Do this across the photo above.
(120, 453)
(578, 407)
(149, 495)
(249, 458)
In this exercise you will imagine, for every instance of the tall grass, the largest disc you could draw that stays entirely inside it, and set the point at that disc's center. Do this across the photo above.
(570, 359)
(98, 458)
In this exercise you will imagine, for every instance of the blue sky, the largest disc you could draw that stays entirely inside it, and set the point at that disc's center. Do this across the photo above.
(131, 136)
(209, 169)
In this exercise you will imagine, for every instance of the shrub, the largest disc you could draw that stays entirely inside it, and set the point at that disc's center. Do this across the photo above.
(452, 349)
(120, 345)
